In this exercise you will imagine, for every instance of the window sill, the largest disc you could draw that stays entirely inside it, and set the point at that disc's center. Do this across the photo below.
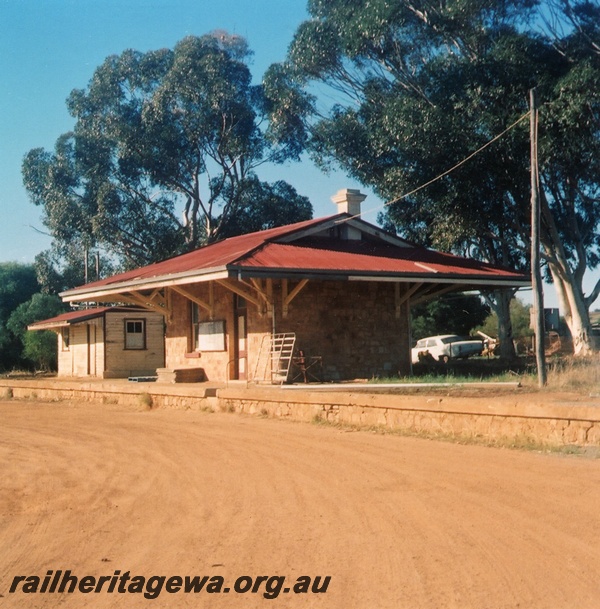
(193, 354)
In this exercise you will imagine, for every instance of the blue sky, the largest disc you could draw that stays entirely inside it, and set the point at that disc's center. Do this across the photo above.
(49, 47)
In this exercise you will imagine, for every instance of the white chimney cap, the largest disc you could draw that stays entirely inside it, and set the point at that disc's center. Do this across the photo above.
(348, 201)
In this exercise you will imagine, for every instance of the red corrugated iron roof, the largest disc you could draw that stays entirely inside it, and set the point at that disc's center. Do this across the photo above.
(214, 256)
(295, 249)
(366, 257)
(73, 317)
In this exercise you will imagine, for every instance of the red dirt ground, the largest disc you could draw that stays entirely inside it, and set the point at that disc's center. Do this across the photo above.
(396, 522)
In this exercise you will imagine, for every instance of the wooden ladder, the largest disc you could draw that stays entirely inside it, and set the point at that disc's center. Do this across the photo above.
(275, 358)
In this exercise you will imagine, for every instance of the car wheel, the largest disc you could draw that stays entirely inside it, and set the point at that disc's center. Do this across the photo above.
(445, 359)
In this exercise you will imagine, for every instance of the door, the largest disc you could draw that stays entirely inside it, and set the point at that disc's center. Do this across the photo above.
(241, 338)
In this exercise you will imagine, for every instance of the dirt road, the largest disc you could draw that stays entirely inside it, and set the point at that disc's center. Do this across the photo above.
(395, 522)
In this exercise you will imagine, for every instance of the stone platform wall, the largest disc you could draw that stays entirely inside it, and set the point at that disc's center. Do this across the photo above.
(520, 417)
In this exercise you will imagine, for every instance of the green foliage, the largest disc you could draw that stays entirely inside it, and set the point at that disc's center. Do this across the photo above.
(520, 318)
(38, 348)
(452, 314)
(286, 105)
(159, 136)
(262, 206)
(17, 284)
(418, 90)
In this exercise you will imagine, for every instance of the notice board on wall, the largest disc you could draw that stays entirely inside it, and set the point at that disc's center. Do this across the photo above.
(211, 336)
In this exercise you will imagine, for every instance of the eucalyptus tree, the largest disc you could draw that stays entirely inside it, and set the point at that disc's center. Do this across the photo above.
(263, 206)
(420, 87)
(164, 146)
(570, 172)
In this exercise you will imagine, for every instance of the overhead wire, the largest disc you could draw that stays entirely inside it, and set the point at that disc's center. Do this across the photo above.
(445, 173)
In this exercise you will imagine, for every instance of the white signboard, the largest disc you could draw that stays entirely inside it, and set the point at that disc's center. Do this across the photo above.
(211, 336)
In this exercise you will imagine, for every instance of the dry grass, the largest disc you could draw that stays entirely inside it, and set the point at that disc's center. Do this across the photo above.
(146, 400)
(575, 374)
(565, 373)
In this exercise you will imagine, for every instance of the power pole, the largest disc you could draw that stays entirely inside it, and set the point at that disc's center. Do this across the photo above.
(536, 274)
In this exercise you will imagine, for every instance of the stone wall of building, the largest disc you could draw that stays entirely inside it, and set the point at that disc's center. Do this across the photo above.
(355, 328)
(180, 351)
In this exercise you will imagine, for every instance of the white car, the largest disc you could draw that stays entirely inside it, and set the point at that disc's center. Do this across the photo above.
(444, 348)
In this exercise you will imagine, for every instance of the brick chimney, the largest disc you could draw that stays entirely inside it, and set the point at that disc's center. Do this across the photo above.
(348, 201)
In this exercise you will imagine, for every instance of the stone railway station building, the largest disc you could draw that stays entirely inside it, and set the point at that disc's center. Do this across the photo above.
(335, 291)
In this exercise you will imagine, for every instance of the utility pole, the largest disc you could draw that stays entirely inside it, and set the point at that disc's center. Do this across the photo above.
(536, 275)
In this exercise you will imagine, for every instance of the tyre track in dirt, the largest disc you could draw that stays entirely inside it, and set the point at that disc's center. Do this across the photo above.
(397, 522)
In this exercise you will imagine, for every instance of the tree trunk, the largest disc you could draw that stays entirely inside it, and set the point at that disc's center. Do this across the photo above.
(568, 284)
(575, 311)
(503, 299)
(500, 301)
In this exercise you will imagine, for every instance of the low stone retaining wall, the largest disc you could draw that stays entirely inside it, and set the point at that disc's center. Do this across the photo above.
(195, 396)
(519, 417)
(522, 417)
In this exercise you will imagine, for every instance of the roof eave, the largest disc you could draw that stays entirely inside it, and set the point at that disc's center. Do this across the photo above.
(342, 275)
(150, 283)
(118, 288)
(51, 326)
(482, 281)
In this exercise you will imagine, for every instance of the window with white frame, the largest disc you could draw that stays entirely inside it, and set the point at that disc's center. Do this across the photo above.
(135, 334)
